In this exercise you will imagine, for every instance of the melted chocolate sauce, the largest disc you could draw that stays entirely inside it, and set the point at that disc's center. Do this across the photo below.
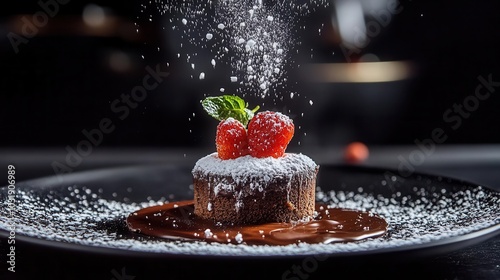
(178, 221)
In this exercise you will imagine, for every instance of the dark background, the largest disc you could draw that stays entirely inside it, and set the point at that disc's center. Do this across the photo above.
(61, 82)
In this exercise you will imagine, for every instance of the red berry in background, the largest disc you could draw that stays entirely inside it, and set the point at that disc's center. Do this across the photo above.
(231, 139)
(356, 152)
(269, 134)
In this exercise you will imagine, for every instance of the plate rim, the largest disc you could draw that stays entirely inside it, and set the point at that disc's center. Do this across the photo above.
(461, 241)
(466, 240)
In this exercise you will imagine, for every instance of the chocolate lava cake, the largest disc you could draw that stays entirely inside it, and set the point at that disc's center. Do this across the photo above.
(250, 190)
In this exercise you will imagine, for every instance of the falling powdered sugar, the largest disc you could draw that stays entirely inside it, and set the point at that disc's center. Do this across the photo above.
(253, 37)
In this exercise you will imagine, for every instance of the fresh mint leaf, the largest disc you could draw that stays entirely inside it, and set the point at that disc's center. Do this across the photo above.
(228, 106)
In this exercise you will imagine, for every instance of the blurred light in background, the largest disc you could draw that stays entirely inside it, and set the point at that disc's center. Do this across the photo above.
(357, 21)
(359, 72)
(350, 21)
(94, 16)
(119, 61)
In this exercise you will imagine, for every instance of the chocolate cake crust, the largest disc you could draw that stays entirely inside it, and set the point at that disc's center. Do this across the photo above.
(250, 190)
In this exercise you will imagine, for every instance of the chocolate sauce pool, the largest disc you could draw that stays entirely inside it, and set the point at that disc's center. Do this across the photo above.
(177, 221)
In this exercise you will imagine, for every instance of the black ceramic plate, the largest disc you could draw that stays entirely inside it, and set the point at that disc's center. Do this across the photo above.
(86, 212)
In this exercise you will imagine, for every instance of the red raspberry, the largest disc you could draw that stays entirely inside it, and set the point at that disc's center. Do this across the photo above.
(269, 134)
(231, 139)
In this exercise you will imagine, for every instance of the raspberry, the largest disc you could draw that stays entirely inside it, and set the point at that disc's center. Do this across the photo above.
(269, 134)
(231, 139)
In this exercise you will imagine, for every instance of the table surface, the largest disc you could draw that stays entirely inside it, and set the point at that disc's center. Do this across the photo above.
(478, 164)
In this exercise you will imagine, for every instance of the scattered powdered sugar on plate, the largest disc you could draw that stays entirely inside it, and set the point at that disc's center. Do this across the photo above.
(78, 215)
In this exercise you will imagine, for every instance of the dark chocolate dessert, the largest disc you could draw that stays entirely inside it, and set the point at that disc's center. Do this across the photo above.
(249, 190)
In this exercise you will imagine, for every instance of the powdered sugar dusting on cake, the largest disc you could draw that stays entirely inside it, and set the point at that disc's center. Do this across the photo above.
(248, 167)
(224, 186)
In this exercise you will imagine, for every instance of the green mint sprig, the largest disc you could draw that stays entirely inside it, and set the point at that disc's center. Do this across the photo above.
(228, 106)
